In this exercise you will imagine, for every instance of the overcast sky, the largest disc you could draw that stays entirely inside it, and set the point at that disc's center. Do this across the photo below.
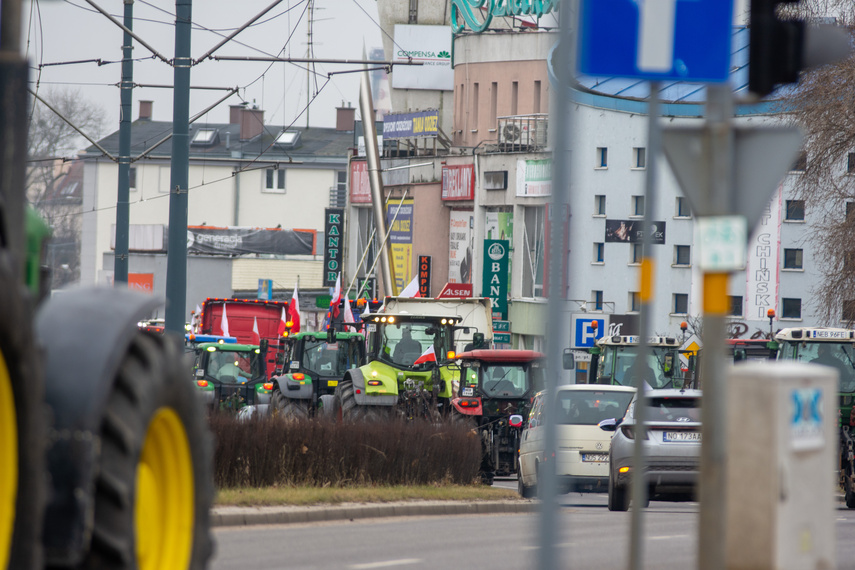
(58, 31)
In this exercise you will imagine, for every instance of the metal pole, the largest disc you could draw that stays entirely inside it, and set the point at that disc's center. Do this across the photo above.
(126, 89)
(366, 107)
(176, 260)
(712, 489)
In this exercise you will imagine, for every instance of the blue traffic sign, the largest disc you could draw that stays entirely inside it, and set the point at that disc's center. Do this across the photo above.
(685, 40)
(586, 333)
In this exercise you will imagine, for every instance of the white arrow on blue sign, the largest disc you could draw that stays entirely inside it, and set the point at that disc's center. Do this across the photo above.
(685, 40)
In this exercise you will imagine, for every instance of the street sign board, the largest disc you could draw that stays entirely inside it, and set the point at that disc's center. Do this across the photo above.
(684, 40)
(722, 242)
(502, 338)
(455, 291)
(585, 334)
(501, 326)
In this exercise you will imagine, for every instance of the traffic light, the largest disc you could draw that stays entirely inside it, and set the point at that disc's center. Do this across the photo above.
(780, 48)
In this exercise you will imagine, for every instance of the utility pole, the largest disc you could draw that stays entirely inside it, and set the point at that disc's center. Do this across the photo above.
(176, 257)
(310, 53)
(126, 87)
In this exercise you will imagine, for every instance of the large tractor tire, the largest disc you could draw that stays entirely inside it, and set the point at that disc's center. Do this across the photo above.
(22, 429)
(347, 410)
(288, 408)
(154, 487)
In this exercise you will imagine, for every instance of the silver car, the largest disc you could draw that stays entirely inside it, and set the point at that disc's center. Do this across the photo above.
(672, 448)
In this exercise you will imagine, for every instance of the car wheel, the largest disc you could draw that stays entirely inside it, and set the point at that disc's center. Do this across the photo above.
(850, 499)
(524, 491)
(618, 498)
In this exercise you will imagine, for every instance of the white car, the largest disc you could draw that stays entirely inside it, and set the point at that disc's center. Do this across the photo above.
(582, 454)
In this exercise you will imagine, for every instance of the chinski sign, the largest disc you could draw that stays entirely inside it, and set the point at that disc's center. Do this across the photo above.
(487, 9)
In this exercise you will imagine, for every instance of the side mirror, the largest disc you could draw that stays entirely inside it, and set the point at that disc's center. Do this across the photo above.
(532, 424)
(568, 359)
(478, 340)
(610, 424)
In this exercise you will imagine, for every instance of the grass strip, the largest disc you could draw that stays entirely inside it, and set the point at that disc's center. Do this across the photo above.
(304, 496)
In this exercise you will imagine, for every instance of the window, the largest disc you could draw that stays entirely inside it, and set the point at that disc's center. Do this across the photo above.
(795, 210)
(275, 180)
(639, 157)
(475, 106)
(850, 211)
(850, 163)
(638, 205)
(800, 164)
(599, 252)
(682, 208)
(681, 303)
(533, 251)
(635, 253)
(602, 157)
(494, 98)
(849, 311)
(597, 298)
(791, 308)
(496, 180)
(338, 193)
(793, 259)
(634, 302)
(515, 93)
(536, 98)
(599, 205)
(735, 306)
(682, 255)
(132, 178)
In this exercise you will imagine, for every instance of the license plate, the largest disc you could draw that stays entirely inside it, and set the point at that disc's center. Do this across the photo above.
(332, 383)
(595, 457)
(681, 436)
(468, 392)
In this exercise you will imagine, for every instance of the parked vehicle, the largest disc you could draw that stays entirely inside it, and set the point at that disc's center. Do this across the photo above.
(314, 364)
(672, 448)
(231, 376)
(582, 449)
(835, 348)
(496, 390)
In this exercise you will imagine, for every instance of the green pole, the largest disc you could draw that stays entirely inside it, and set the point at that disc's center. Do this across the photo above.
(120, 261)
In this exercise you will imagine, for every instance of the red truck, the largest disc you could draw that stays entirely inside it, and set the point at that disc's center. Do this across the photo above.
(248, 320)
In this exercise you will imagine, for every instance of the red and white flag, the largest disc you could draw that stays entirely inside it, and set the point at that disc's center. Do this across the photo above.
(427, 356)
(283, 320)
(336, 297)
(224, 322)
(348, 314)
(255, 330)
(411, 290)
(294, 311)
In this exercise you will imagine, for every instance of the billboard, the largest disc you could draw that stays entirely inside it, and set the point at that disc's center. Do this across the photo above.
(632, 231)
(534, 177)
(429, 45)
(761, 273)
(461, 246)
(213, 240)
(360, 189)
(408, 125)
(399, 218)
(458, 182)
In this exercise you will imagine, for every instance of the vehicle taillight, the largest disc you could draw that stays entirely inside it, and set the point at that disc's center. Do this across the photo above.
(202, 383)
(299, 376)
(375, 383)
(628, 431)
(268, 386)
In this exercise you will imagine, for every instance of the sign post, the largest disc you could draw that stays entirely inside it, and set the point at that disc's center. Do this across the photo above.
(495, 280)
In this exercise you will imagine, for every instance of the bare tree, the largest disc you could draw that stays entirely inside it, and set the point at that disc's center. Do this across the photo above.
(54, 186)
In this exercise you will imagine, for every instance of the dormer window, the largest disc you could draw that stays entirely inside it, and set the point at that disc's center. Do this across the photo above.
(205, 137)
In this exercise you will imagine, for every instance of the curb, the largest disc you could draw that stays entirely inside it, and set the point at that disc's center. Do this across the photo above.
(244, 516)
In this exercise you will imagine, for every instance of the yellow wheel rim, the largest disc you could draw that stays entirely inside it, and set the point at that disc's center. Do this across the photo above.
(164, 498)
(8, 462)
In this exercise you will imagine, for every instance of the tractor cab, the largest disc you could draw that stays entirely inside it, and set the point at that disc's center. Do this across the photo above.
(231, 375)
(618, 362)
(410, 342)
(503, 381)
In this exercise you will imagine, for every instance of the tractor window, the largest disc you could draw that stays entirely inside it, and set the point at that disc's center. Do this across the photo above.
(403, 344)
(837, 355)
(330, 359)
(504, 380)
(620, 364)
(231, 367)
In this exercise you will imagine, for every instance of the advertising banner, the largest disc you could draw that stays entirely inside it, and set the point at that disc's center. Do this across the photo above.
(424, 275)
(141, 282)
(333, 242)
(409, 125)
(360, 189)
(238, 241)
(458, 182)
(401, 240)
(534, 177)
(632, 231)
(495, 277)
(430, 45)
(761, 272)
(461, 246)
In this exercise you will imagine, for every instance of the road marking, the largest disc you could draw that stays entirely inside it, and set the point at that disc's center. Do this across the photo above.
(667, 537)
(386, 564)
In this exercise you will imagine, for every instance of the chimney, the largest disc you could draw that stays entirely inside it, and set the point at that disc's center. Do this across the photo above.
(344, 118)
(251, 124)
(234, 114)
(145, 110)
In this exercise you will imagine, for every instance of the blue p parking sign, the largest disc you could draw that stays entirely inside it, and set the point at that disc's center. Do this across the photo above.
(585, 335)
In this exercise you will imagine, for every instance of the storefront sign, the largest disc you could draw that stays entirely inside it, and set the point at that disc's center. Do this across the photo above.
(458, 182)
(399, 217)
(495, 277)
(761, 274)
(456, 291)
(461, 245)
(360, 189)
(408, 125)
(333, 242)
(632, 231)
(141, 282)
(478, 15)
(534, 177)
(424, 275)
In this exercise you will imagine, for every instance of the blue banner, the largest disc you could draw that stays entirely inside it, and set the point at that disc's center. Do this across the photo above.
(407, 125)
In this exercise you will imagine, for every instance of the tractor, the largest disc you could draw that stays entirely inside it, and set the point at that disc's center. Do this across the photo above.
(496, 389)
(230, 375)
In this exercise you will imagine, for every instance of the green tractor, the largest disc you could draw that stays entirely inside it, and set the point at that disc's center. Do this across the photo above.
(231, 376)
(410, 373)
(314, 364)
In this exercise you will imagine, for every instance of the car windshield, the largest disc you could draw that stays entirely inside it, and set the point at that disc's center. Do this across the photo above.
(590, 407)
(231, 366)
(673, 409)
(403, 344)
(508, 380)
(621, 364)
(326, 359)
(837, 355)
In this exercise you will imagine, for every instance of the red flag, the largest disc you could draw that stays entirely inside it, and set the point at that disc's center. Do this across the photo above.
(283, 319)
(427, 356)
(411, 290)
(294, 311)
(255, 330)
(336, 297)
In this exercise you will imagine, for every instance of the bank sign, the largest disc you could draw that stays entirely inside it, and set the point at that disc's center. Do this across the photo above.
(333, 232)
(495, 283)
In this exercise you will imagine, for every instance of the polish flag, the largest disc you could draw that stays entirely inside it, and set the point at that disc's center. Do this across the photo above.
(411, 290)
(427, 356)
(348, 314)
(255, 330)
(283, 319)
(224, 322)
(336, 297)
(294, 311)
